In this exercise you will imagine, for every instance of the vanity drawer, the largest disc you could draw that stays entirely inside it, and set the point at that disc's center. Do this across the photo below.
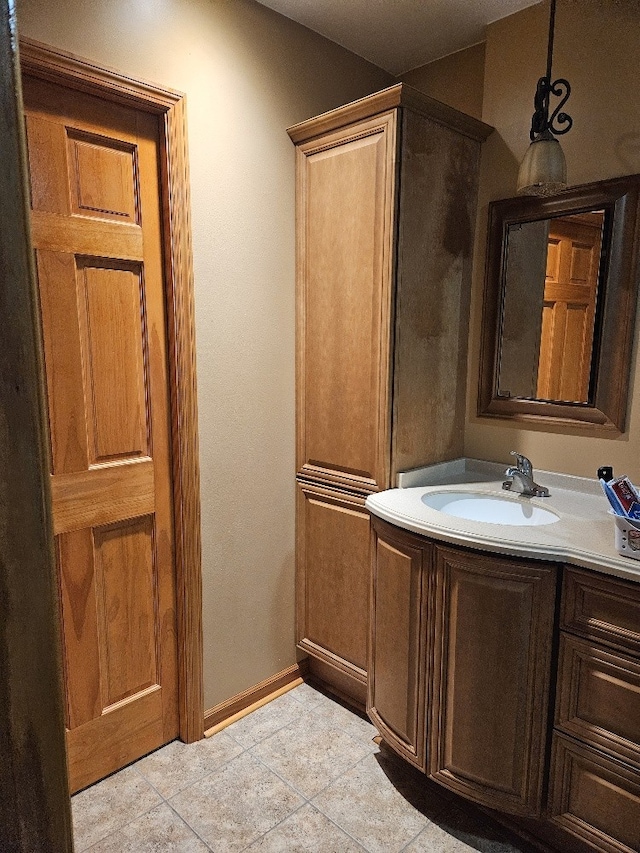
(603, 608)
(598, 698)
(594, 798)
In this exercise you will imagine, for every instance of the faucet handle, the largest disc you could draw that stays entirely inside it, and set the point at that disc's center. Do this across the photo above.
(522, 463)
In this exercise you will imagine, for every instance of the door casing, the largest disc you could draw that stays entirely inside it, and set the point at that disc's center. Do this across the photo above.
(46, 63)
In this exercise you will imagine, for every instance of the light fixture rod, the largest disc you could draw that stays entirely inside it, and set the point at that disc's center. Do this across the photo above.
(552, 26)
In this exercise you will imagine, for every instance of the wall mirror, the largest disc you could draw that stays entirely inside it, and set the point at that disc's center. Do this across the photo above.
(559, 308)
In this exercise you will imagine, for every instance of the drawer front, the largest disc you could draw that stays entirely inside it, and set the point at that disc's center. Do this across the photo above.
(598, 698)
(595, 799)
(602, 608)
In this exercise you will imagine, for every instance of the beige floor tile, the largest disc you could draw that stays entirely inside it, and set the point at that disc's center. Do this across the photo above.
(178, 764)
(309, 753)
(370, 809)
(349, 721)
(232, 807)
(263, 722)
(430, 799)
(109, 805)
(306, 831)
(157, 831)
(308, 695)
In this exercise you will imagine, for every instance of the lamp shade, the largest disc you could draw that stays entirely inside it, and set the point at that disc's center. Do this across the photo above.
(544, 169)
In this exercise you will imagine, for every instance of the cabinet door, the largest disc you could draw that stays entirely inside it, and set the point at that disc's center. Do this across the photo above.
(345, 192)
(494, 623)
(333, 569)
(399, 642)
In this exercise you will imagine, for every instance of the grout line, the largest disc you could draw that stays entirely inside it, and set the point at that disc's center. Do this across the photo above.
(188, 825)
(119, 829)
(276, 825)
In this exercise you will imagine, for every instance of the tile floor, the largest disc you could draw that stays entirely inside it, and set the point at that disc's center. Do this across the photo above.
(299, 774)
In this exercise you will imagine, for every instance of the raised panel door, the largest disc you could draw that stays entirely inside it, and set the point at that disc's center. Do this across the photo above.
(345, 247)
(494, 623)
(400, 642)
(333, 579)
(568, 311)
(97, 240)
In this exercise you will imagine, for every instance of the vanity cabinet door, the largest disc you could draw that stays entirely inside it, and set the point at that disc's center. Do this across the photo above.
(399, 646)
(494, 623)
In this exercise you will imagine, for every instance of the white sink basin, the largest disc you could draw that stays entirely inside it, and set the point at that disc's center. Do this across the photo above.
(489, 509)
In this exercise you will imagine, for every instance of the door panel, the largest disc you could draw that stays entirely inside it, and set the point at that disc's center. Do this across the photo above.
(117, 386)
(346, 205)
(103, 177)
(124, 561)
(332, 564)
(97, 238)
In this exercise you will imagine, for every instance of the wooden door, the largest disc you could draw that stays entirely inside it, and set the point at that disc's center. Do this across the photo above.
(345, 197)
(97, 239)
(400, 644)
(571, 284)
(494, 625)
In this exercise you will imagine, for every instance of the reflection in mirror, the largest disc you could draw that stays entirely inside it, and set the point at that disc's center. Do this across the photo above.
(549, 307)
(560, 293)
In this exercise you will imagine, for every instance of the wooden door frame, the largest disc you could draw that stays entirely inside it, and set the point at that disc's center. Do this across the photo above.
(46, 63)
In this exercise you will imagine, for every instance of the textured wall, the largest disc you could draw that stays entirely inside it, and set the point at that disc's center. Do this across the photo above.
(248, 73)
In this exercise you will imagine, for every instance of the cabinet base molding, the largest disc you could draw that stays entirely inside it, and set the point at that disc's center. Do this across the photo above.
(238, 706)
(346, 687)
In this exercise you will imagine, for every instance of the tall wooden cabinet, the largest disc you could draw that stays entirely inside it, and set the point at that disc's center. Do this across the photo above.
(386, 199)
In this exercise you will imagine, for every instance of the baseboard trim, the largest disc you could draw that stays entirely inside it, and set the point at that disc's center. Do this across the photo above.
(222, 715)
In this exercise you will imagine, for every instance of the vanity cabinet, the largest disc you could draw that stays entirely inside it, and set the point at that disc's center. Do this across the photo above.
(514, 683)
(385, 204)
(470, 638)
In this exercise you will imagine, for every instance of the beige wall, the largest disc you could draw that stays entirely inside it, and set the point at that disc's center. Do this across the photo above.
(248, 74)
(597, 49)
(456, 79)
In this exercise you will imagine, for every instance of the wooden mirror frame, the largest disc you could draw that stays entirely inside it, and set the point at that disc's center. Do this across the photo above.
(615, 319)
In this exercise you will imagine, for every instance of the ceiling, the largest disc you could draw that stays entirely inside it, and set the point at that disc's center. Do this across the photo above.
(399, 35)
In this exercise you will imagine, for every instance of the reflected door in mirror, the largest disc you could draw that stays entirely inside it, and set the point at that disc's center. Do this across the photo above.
(568, 312)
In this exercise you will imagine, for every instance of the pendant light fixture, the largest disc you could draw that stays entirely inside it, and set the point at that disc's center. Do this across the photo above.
(544, 169)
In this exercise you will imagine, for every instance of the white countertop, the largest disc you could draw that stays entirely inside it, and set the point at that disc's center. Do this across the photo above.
(583, 535)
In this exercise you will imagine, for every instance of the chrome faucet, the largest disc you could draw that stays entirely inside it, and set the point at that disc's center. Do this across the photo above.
(522, 474)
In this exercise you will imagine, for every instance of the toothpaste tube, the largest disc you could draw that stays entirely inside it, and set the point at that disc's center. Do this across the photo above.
(611, 496)
(626, 496)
